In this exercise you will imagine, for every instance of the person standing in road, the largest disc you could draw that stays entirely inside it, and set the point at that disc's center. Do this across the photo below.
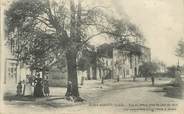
(19, 89)
(153, 80)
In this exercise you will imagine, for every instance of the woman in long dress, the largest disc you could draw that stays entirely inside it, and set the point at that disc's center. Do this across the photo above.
(38, 89)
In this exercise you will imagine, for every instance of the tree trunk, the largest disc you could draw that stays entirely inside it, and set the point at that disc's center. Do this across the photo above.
(72, 74)
(100, 73)
(124, 73)
(118, 78)
(16, 72)
(88, 74)
(102, 80)
(94, 72)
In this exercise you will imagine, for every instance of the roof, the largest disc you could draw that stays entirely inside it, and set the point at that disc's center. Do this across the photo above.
(106, 50)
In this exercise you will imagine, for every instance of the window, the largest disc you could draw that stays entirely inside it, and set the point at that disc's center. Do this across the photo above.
(11, 71)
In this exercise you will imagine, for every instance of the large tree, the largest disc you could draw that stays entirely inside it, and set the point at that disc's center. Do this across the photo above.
(45, 31)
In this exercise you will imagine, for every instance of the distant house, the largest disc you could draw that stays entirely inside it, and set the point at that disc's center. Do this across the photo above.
(99, 63)
(104, 61)
(128, 57)
(121, 59)
(161, 68)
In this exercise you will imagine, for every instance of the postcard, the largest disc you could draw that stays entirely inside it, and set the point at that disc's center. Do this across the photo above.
(92, 57)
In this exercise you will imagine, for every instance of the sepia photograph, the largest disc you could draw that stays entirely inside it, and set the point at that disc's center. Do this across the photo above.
(92, 57)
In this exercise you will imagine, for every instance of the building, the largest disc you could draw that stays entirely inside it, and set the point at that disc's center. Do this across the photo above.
(104, 61)
(122, 59)
(128, 57)
(12, 71)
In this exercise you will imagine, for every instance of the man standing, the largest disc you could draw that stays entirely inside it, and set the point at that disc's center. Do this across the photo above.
(153, 80)
(19, 89)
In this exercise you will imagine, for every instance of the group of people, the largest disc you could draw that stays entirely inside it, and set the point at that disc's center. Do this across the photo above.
(34, 86)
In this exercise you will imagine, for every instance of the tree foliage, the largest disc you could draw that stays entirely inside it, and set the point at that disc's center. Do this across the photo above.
(123, 30)
(180, 49)
(148, 69)
(87, 59)
(41, 24)
(45, 31)
(171, 71)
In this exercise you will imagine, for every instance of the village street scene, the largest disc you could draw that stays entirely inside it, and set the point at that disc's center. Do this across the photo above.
(78, 56)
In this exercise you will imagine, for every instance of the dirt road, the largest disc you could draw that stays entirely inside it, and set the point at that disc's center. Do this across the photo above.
(120, 99)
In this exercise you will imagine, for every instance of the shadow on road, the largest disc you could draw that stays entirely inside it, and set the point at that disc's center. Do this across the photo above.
(9, 97)
(170, 91)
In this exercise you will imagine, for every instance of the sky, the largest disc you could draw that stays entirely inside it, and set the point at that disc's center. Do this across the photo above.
(161, 21)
